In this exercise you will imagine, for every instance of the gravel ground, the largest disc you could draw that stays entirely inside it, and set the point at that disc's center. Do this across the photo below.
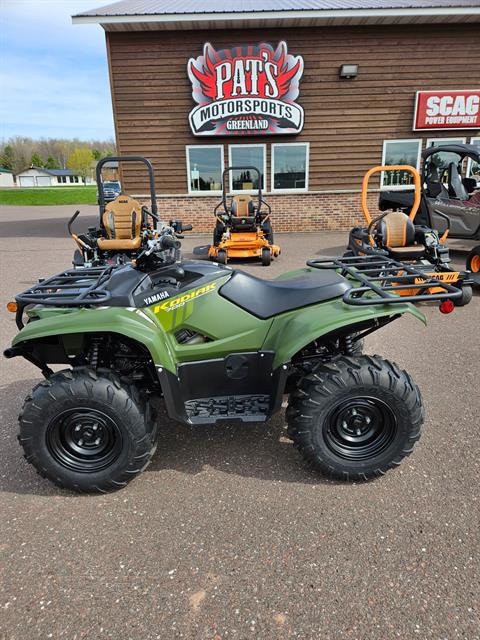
(227, 534)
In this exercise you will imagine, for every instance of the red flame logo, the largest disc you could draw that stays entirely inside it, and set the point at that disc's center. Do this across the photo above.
(250, 73)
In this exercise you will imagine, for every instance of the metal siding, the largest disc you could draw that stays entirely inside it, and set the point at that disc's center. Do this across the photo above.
(178, 7)
(345, 121)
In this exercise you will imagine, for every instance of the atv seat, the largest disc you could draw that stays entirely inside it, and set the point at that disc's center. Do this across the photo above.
(267, 298)
(242, 213)
(122, 221)
(398, 236)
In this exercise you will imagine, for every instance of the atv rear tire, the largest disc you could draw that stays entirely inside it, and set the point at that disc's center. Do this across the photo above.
(86, 431)
(355, 418)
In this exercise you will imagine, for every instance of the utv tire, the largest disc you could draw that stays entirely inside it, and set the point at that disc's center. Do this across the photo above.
(87, 431)
(467, 295)
(355, 418)
(473, 264)
(78, 260)
(222, 257)
(266, 257)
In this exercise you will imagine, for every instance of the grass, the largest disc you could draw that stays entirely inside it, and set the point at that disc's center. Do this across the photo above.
(49, 195)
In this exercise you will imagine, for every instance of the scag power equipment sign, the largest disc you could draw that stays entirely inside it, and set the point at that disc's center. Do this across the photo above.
(246, 90)
(447, 110)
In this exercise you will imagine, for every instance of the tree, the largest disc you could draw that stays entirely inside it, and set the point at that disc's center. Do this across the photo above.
(51, 163)
(7, 159)
(36, 160)
(80, 161)
(96, 154)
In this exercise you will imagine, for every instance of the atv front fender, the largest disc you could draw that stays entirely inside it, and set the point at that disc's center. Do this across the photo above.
(292, 331)
(129, 322)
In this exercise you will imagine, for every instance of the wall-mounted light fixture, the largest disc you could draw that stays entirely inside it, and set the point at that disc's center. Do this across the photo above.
(348, 71)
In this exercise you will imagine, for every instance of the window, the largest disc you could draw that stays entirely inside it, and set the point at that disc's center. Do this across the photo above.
(473, 168)
(400, 152)
(442, 160)
(204, 169)
(290, 166)
(247, 155)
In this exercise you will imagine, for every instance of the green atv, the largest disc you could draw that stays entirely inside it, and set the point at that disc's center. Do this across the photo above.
(217, 345)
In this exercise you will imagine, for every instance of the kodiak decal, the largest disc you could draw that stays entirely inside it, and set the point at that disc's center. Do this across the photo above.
(174, 303)
(250, 89)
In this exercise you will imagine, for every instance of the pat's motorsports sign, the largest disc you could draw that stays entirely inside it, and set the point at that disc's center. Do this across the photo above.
(250, 89)
(447, 110)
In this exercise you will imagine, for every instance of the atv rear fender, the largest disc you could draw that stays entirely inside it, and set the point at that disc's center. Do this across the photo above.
(293, 331)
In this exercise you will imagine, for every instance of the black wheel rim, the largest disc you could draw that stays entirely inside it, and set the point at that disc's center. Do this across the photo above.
(84, 440)
(360, 428)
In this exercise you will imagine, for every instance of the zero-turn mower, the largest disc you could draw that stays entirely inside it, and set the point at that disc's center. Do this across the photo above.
(125, 227)
(395, 235)
(243, 228)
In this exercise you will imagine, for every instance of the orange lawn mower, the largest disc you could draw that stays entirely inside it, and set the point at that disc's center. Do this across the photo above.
(243, 228)
(394, 235)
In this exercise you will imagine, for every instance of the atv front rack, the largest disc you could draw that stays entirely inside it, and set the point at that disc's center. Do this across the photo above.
(382, 280)
(71, 288)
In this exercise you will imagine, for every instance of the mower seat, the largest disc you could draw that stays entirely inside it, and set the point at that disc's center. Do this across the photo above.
(242, 212)
(398, 236)
(122, 221)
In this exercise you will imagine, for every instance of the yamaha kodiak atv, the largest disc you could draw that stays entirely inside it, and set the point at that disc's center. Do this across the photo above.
(217, 345)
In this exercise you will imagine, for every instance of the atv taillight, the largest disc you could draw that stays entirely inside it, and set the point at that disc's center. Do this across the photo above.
(447, 306)
(12, 307)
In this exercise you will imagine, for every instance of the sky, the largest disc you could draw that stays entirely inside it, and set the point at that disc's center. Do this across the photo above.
(53, 75)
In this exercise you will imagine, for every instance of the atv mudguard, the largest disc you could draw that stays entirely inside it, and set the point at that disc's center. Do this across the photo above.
(284, 335)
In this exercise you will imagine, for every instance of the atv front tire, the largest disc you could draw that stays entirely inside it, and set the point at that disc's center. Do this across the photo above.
(355, 418)
(86, 431)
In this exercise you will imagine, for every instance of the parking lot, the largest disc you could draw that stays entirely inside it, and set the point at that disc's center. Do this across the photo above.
(227, 534)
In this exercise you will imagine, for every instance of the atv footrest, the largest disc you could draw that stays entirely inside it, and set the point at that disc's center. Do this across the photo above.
(246, 408)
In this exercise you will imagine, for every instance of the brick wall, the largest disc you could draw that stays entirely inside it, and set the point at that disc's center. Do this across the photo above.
(301, 212)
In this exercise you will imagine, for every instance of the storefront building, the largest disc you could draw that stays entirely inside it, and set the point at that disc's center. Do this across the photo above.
(311, 92)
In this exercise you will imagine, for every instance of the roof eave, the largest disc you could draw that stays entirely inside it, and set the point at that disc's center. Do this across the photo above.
(298, 18)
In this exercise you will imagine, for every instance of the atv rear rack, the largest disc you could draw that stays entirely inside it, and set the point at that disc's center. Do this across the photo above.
(381, 281)
(71, 288)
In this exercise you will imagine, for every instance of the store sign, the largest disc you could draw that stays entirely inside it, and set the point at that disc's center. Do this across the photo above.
(247, 90)
(447, 110)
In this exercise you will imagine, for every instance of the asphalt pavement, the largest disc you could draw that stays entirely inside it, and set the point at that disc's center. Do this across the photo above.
(227, 534)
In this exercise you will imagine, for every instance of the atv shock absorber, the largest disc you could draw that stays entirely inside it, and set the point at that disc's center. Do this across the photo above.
(349, 345)
(93, 355)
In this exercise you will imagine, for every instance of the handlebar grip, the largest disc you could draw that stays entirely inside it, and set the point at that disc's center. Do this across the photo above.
(187, 227)
(169, 242)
